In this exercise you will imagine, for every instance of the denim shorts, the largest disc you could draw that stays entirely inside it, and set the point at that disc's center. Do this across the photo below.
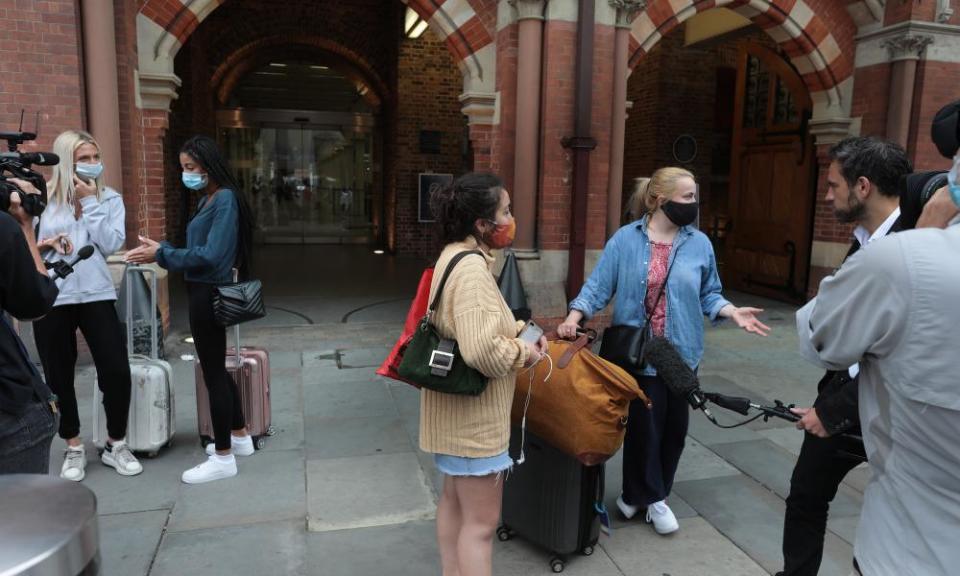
(463, 466)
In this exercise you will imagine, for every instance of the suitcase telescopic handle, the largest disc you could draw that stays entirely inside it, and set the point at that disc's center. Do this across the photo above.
(236, 327)
(154, 346)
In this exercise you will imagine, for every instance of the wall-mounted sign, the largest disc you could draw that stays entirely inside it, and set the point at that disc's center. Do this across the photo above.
(427, 184)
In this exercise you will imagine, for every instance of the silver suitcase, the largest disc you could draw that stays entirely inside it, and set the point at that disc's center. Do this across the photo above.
(151, 425)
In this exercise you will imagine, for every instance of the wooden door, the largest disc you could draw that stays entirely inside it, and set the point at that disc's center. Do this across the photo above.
(772, 180)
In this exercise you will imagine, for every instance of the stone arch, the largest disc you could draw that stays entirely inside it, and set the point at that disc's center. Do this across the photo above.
(254, 54)
(824, 63)
(163, 26)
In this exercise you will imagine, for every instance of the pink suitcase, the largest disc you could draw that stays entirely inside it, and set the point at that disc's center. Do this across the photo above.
(253, 380)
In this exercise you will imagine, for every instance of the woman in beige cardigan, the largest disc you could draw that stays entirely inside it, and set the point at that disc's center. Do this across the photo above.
(469, 435)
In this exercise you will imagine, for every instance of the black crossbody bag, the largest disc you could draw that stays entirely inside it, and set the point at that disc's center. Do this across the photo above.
(624, 345)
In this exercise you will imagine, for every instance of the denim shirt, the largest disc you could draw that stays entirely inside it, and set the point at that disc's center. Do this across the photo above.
(693, 286)
(212, 237)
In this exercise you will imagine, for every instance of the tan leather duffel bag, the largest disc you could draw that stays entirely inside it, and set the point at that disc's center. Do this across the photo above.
(582, 409)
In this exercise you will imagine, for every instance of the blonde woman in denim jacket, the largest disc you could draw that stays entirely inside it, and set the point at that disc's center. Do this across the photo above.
(632, 269)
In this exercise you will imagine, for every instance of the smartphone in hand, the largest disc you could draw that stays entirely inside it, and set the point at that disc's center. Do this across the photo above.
(531, 333)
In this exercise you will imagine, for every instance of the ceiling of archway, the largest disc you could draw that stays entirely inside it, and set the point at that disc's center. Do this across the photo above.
(299, 85)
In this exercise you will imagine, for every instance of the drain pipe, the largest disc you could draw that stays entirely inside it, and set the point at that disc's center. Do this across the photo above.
(581, 143)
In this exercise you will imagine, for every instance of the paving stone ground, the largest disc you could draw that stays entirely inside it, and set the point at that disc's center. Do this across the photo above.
(342, 488)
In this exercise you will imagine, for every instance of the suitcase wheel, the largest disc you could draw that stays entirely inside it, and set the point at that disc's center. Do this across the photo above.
(557, 565)
(270, 431)
(587, 551)
(259, 443)
(504, 534)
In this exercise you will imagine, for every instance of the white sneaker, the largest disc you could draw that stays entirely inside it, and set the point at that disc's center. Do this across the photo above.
(119, 456)
(74, 463)
(215, 468)
(240, 445)
(664, 522)
(627, 510)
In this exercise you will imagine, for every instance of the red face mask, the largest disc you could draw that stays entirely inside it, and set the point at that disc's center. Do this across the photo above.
(502, 236)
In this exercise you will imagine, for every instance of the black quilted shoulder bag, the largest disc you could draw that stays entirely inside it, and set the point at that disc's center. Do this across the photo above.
(238, 302)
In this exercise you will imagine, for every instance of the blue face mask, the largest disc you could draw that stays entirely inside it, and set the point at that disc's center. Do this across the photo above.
(193, 180)
(953, 179)
(89, 171)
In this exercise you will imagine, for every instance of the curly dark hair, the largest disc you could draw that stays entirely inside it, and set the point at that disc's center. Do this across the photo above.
(880, 161)
(204, 151)
(458, 205)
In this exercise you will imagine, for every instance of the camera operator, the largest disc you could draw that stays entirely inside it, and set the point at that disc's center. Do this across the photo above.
(893, 308)
(863, 184)
(28, 410)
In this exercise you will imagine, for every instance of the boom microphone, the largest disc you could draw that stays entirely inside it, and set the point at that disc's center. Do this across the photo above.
(675, 373)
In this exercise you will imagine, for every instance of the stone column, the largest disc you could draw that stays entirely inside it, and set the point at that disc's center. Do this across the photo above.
(527, 155)
(905, 51)
(626, 10)
(100, 78)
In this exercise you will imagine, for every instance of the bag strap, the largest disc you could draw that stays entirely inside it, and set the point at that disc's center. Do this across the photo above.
(583, 340)
(446, 274)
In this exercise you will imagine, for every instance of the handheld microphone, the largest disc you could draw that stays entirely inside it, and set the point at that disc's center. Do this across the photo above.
(675, 373)
(62, 269)
(40, 158)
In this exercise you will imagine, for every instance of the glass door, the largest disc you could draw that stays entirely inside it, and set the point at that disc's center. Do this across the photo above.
(307, 183)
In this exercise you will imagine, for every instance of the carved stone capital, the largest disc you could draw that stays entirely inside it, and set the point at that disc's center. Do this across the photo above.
(479, 107)
(907, 46)
(829, 131)
(627, 10)
(529, 9)
(157, 91)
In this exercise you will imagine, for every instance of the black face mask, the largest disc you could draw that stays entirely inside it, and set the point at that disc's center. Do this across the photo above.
(681, 214)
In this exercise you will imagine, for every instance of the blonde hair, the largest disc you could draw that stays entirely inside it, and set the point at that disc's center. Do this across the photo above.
(647, 192)
(60, 187)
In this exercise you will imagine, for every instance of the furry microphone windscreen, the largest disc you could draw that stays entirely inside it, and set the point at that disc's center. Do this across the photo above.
(670, 367)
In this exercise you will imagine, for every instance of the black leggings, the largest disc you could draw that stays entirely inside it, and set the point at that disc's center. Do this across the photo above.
(210, 339)
(56, 338)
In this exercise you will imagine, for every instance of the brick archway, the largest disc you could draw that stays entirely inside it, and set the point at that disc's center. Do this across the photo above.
(235, 67)
(455, 21)
(824, 58)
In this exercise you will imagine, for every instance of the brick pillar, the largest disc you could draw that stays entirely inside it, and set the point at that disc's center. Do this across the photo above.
(530, 38)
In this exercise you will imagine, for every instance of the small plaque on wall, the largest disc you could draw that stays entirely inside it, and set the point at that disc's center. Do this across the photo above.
(427, 184)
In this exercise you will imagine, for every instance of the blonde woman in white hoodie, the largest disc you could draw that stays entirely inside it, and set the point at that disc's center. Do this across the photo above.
(82, 211)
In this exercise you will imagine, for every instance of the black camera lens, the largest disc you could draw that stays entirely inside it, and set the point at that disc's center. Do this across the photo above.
(916, 191)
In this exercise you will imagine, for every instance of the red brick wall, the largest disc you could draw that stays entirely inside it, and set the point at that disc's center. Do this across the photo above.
(936, 87)
(601, 117)
(40, 70)
(428, 86)
(871, 96)
(131, 133)
(557, 108)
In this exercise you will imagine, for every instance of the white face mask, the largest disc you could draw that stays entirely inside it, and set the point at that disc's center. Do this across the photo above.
(89, 171)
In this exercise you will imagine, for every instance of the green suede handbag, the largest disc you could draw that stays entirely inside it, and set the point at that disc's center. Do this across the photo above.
(435, 363)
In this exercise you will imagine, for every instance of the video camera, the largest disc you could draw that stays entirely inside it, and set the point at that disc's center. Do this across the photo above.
(917, 189)
(16, 164)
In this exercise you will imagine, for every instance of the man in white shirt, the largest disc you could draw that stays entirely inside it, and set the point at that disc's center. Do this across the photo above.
(863, 185)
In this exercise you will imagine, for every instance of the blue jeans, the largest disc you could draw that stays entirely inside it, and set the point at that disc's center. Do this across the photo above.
(25, 440)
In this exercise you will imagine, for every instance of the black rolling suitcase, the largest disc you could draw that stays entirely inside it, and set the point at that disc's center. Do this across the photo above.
(552, 500)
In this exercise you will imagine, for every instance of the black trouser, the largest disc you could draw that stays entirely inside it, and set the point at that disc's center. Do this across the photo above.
(653, 443)
(822, 465)
(56, 338)
(210, 339)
